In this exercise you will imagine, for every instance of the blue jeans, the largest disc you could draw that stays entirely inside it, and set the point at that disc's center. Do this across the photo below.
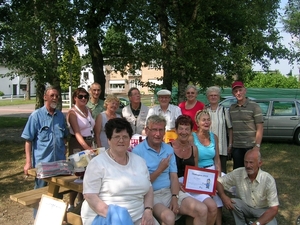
(38, 183)
(238, 155)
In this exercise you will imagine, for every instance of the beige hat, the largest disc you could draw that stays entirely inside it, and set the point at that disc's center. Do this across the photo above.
(164, 92)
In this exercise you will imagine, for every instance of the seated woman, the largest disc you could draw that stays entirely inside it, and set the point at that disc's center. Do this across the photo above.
(208, 150)
(186, 153)
(118, 177)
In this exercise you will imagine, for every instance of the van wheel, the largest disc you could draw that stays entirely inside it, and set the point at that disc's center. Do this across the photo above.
(297, 137)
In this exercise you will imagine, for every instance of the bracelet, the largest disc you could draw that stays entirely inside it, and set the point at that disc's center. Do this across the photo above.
(148, 207)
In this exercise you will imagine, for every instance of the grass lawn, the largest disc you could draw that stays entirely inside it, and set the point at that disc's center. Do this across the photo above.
(5, 102)
(279, 159)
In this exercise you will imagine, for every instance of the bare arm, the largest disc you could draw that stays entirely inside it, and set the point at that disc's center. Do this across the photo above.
(217, 156)
(268, 215)
(175, 187)
(74, 124)
(259, 134)
(196, 156)
(96, 204)
(28, 164)
(97, 129)
(147, 217)
(230, 134)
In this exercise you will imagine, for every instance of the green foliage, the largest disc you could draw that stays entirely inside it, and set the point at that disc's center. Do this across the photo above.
(291, 23)
(1, 93)
(70, 66)
(272, 80)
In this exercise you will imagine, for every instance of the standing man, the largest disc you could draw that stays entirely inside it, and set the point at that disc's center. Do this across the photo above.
(135, 113)
(247, 125)
(45, 134)
(255, 189)
(95, 104)
(169, 201)
(169, 111)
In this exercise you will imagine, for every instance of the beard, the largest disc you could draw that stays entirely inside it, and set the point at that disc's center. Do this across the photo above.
(53, 105)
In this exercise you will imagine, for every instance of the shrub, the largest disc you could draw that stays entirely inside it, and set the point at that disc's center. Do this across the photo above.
(1, 93)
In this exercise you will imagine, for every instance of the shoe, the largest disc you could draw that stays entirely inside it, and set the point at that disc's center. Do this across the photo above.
(298, 221)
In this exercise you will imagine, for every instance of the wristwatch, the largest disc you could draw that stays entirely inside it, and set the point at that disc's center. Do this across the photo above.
(258, 145)
(257, 223)
(174, 195)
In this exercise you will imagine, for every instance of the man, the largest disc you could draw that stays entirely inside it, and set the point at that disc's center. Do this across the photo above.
(169, 201)
(247, 125)
(45, 134)
(95, 104)
(169, 111)
(255, 189)
(135, 113)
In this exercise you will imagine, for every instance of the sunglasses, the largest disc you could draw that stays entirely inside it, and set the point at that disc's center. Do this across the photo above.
(82, 96)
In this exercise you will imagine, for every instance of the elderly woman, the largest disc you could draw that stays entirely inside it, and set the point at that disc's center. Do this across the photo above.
(81, 125)
(208, 151)
(220, 122)
(118, 177)
(186, 154)
(111, 104)
(191, 105)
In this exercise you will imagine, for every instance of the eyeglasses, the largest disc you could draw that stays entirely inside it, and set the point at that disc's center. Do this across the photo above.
(53, 95)
(82, 96)
(118, 138)
(213, 95)
(190, 93)
(155, 130)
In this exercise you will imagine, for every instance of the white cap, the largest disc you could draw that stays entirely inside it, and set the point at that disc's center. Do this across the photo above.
(164, 92)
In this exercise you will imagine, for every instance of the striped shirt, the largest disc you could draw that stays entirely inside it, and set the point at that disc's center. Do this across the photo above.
(244, 119)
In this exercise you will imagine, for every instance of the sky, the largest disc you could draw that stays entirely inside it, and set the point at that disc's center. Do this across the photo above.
(283, 65)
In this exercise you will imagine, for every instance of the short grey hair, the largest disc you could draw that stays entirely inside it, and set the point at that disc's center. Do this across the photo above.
(191, 86)
(156, 119)
(213, 89)
(50, 87)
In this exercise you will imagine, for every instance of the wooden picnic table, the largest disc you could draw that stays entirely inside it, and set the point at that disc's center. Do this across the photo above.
(54, 183)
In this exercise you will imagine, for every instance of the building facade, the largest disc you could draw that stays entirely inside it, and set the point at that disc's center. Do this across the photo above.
(17, 86)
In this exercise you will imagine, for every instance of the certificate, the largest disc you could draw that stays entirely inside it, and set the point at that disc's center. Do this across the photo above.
(199, 180)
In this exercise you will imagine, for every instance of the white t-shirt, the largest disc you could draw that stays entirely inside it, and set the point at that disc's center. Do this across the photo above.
(124, 186)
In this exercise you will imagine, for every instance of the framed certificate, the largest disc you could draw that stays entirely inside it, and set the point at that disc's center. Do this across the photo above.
(199, 180)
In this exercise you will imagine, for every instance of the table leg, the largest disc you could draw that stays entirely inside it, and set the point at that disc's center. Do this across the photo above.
(53, 190)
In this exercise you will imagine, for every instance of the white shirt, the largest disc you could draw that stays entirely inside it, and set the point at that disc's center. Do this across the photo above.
(122, 185)
(170, 115)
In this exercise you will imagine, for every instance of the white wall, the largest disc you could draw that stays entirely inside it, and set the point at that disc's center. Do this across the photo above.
(7, 86)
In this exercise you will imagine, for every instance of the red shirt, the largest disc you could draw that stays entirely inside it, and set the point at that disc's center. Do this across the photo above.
(192, 112)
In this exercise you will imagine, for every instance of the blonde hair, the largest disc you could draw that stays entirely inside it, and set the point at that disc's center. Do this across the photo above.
(200, 113)
(110, 98)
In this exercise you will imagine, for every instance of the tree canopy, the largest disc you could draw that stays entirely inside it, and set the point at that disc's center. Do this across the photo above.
(191, 41)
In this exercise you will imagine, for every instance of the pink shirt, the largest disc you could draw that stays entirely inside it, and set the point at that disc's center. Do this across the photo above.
(192, 112)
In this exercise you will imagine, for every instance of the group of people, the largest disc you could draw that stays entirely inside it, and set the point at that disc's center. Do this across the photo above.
(146, 184)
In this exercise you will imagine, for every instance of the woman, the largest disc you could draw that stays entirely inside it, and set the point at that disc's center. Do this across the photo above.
(111, 104)
(220, 122)
(208, 151)
(191, 105)
(81, 125)
(118, 177)
(186, 153)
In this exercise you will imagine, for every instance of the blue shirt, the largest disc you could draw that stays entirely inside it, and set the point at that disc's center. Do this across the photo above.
(206, 153)
(153, 158)
(47, 133)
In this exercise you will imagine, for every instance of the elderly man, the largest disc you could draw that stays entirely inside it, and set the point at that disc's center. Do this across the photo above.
(247, 125)
(135, 113)
(45, 134)
(255, 190)
(169, 201)
(169, 111)
(95, 103)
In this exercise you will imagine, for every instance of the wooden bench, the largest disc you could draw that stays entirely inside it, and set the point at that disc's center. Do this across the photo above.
(32, 198)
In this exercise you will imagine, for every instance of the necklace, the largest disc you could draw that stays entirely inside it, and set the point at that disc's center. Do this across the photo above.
(113, 157)
(184, 146)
